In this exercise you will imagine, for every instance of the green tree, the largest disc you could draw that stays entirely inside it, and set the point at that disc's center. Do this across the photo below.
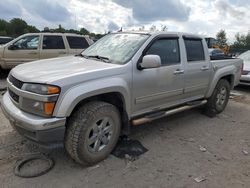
(60, 29)
(221, 38)
(3, 33)
(84, 31)
(4, 27)
(242, 41)
(32, 29)
(17, 27)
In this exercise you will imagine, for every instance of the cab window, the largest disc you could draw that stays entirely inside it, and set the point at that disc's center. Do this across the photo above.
(27, 43)
(194, 50)
(167, 49)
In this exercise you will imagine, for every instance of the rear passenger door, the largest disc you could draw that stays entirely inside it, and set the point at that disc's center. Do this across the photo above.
(76, 44)
(197, 69)
(53, 46)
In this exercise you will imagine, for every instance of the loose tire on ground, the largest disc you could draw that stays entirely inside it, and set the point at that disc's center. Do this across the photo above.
(219, 99)
(92, 132)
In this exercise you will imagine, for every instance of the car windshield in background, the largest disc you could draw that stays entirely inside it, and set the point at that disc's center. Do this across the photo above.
(117, 48)
(245, 56)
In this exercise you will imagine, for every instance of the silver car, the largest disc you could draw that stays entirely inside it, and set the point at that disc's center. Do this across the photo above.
(245, 77)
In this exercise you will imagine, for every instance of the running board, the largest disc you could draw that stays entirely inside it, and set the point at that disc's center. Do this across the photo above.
(161, 114)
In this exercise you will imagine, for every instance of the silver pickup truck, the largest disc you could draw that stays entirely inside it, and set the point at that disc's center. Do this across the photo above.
(124, 79)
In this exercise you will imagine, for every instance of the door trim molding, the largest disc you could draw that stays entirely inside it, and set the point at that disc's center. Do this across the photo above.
(157, 96)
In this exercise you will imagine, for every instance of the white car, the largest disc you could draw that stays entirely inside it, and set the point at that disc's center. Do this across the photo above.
(245, 77)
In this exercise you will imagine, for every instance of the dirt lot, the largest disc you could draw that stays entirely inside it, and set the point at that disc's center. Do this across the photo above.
(174, 158)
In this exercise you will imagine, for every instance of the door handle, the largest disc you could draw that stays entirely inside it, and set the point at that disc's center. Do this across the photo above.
(178, 71)
(62, 52)
(204, 68)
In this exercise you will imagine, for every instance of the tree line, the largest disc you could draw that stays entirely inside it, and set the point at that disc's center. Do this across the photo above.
(241, 42)
(16, 27)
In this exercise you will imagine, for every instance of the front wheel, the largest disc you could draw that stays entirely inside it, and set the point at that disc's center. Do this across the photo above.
(92, 132)
(219, 99)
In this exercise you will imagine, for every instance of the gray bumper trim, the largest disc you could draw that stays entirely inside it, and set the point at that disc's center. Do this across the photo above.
(28, 121)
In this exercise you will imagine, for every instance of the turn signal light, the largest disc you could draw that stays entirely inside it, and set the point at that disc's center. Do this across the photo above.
(49, 107)
(53, 90)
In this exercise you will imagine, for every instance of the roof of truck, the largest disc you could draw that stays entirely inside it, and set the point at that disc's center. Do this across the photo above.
(163, 32)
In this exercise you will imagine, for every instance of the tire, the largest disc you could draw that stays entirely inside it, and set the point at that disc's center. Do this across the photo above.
(92, 132)
(219, 99)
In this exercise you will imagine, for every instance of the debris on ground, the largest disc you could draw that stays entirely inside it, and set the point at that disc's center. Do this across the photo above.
(203, 149)
(187, 139)
(93, 167)
(200, 179)
(235, 94)
(128, 149)
(33, 166)
(245, 152)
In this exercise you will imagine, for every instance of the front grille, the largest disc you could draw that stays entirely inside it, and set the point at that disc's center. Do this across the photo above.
(14, 96)
(245, 72)
(17, 83)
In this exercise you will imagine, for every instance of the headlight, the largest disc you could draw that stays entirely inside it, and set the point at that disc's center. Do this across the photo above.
(40, 108)
(41, 89)
(44, 107)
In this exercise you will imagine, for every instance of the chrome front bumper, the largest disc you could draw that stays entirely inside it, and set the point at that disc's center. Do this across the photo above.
(36, 128)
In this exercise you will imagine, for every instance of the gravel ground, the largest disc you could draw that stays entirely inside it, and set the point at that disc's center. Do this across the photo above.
(181, 148)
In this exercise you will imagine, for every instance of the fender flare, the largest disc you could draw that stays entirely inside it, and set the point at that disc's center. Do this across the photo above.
(222, 72)
(78, 93)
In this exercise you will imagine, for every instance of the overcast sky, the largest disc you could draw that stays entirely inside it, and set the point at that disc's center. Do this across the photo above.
(197, 16)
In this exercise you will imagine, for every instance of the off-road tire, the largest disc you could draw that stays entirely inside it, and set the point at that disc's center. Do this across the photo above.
(212, 108)
(79, 126)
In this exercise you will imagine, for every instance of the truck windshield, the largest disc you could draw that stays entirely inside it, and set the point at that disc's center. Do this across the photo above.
(117, 48)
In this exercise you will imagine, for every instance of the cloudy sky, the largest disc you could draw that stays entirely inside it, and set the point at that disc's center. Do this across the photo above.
(197, 16)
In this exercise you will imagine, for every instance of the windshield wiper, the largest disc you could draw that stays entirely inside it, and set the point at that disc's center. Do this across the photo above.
(81, 55)
(105, 59)
(102, 58)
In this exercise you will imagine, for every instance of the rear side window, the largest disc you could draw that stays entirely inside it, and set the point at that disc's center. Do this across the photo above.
(194, 49)
(77, 42)
(167, 49)
(53, 42)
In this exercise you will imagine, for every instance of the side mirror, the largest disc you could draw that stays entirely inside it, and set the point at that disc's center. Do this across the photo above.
(150, 61)
(12, 47)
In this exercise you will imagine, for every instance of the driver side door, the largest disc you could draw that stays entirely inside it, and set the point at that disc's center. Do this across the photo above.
(23, 50)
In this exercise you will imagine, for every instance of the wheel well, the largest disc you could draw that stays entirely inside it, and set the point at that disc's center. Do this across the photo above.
(115, 99)
(230, 79)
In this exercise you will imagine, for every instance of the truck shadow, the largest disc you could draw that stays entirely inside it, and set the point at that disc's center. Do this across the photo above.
(242, 88)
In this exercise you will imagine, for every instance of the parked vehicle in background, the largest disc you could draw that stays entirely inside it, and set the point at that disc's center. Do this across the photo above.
(4, 40)
(213, 43)
(215, 53)
(245, 77)
(35, 46)
(121, 80)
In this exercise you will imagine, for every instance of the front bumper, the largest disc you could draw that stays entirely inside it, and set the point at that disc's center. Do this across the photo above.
(45, 131)
(245, 80)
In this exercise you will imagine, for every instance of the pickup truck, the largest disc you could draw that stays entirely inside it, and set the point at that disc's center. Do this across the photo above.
(35, 46)
(124, 79)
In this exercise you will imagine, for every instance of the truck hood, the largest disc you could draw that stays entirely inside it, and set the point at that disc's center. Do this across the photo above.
(58, 69)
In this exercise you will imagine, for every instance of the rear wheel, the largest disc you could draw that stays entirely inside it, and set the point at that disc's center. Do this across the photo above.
(92, 132)
(219, 99)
